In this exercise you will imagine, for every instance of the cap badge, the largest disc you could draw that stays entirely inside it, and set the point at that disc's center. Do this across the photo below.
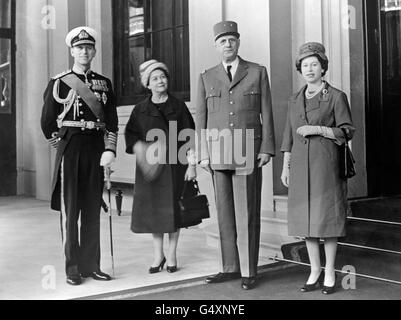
(83, 35)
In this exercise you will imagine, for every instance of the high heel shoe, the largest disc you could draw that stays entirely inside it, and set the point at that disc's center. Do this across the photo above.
(314, 286)
(172, 269)
(331, 289)
(159, 267)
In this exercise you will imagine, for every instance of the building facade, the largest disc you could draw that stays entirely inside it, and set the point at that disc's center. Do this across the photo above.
(362, 39)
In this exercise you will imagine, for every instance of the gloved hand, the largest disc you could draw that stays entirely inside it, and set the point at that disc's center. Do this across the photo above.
(54, 140)
(310, 131)
(107, 159)
(263, 159)
(205, 165)
(285, 174)
(191, 173)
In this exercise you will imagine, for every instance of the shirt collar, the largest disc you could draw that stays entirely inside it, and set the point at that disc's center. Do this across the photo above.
(234, 65)
(78, 70)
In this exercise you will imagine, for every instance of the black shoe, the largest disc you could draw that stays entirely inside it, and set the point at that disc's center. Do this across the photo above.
(97, 275)
(159, 267)
(248, 283)
(74, 280)
(221, 277)
(172, 269)
(332, 289)
(314, 286)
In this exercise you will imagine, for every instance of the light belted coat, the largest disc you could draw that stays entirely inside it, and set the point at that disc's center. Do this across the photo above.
(227, 110)
(317, 198)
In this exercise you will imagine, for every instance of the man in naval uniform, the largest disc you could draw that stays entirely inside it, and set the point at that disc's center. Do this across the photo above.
(79, 119)
(234, 107)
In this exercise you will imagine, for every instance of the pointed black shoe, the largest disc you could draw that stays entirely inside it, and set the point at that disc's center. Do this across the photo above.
(74, 280)
(332, 289)
(314, 286)
(248, 283)
(97, 275)
(172, 269)
(159, 267)
(222, 277)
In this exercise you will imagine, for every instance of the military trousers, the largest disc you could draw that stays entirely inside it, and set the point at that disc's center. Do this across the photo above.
(238, 201)
(81, 196)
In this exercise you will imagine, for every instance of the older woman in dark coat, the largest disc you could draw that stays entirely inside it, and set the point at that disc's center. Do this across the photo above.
(159, 184)
(318, 121)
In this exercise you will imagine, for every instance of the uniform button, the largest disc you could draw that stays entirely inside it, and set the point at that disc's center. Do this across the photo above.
(302, 117)
(231, 92)
(231, 125)
(211, 88)
(231, 102)
(232, 113)
(80, 104)
(81, 112)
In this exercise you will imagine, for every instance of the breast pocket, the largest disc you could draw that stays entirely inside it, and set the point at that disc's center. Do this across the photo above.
(213, 99)
(252, 99)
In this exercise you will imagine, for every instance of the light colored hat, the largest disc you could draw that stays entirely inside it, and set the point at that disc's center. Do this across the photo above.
(146, 68)
(311, 49)
(225, 28)
(81, 35)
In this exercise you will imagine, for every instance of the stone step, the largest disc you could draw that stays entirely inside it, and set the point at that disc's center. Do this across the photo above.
(274, 222)
(280, 203)
(270, 244)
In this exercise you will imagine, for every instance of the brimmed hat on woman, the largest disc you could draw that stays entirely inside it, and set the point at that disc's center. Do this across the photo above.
(146, 68)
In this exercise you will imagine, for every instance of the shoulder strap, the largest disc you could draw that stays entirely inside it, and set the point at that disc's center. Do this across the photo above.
(86, 94)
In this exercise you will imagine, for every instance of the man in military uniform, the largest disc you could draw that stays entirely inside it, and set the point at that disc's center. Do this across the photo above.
(79, 119)
(234, 107)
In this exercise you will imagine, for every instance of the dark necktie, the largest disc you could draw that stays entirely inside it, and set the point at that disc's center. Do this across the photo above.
(230, 76)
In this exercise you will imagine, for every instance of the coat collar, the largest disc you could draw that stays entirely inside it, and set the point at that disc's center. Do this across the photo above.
(151, 110)
(299, 99)
(241, 73)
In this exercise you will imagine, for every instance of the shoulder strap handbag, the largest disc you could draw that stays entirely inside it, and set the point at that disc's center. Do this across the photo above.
(347, 161)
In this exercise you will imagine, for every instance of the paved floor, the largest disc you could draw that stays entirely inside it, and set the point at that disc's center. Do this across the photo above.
(274, 283)
(32, 260)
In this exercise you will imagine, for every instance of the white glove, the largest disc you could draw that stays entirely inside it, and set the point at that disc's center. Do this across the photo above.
(205, 164)
(285, 174)
(190, 174)
(107, 159)
(310, 131)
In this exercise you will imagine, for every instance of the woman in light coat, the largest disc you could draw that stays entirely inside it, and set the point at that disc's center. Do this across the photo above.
(318, 122)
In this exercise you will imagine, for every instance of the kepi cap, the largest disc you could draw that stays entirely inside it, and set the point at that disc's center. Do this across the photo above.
(225, 28)
(81, 35)
(146, 68)
(311, 49)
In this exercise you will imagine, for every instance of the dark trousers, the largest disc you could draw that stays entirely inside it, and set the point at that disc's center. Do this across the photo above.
(238, 200)
(81, 196)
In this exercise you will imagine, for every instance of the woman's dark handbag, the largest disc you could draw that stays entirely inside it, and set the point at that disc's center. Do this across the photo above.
(193, 206)
(347, 161)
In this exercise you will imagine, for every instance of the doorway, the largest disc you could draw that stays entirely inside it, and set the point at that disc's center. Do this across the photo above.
(8, 162)
(383, 38)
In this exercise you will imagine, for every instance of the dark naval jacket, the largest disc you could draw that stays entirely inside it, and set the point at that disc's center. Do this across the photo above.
(59, 95)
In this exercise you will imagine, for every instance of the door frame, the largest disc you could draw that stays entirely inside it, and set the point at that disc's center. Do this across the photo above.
(10, 118)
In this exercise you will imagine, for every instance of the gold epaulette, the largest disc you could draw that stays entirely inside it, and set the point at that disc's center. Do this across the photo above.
(61, 75)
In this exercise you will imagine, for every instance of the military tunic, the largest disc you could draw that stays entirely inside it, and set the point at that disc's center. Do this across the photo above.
(78, 177)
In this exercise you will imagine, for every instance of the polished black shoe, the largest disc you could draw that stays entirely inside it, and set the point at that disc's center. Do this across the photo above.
(159, 267)
(172, 269)
(221, 277)
(97, 275)
(248, 283)
(74, 280)
(314, 286)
